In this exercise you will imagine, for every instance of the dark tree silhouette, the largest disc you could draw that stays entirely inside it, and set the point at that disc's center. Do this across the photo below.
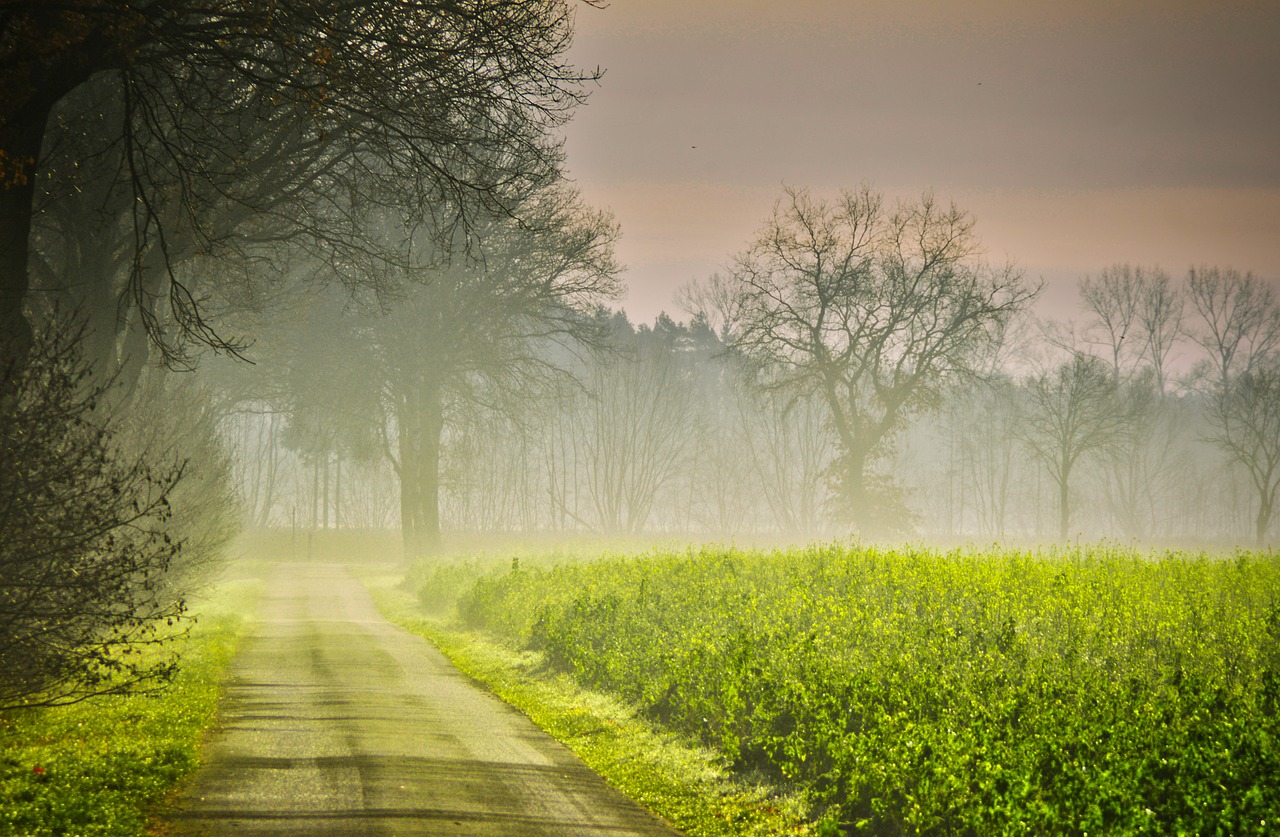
(84, 544)
(449, 97)
(874, 310)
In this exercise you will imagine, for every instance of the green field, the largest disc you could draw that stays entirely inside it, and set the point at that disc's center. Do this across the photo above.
(101, 767)
(1084, 691)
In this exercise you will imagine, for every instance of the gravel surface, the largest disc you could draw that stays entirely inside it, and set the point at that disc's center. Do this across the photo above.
(337, 722)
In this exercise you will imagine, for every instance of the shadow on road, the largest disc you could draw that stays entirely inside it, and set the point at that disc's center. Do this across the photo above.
(337, 722)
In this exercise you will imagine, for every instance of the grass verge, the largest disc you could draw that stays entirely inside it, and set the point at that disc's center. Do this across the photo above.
(97, 767)
(684, 785)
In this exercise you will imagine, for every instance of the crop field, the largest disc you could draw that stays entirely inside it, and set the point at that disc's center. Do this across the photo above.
(910, 691)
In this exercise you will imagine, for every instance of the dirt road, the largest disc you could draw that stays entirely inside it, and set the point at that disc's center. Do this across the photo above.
(337, 722)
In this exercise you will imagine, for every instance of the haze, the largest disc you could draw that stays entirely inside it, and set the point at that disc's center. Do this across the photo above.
(966, 314)
(780, 270)
(1080, 134)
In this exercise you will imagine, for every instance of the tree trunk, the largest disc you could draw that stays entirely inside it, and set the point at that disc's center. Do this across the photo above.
(21, 138)
(315, 495)
(853, 488)
(324, 504)
(431, 428)
(408, 470)
(1266, 507)
(421, 427)
(337, 492)
(1064, 505)
(21, 143)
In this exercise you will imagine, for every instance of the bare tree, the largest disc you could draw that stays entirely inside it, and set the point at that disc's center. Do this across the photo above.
(224, 240)
(790, 447)
(1072, 411)
(471, 331)
(1239, 329)
(636, 427)
(1239, 321)
(1247, 420)
(874, 310)
(1112, 299)
(714, 301)
(1160, 316)
(1136, 319)
(980, 427)
(1141, 458)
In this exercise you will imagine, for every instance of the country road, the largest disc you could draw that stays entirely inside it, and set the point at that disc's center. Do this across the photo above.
(337, 722)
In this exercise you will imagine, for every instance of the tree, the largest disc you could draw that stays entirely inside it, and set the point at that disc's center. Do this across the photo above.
(223, 238)
(471, 331)
(1239, 321)
(1137, 320)
(84, 539)
(1160, 314)
(1239, 329)
(982, 449)
(453, 98)
(1072, 411)
(1144, 452)
(874, 310)
(789, 447)
(636, 427)
(1112, 298)
(1136, 316)
(1247, 422)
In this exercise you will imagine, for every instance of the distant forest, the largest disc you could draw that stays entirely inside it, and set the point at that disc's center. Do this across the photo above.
(1152, 412)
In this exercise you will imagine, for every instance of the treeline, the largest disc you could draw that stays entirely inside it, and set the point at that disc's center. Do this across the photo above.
(1153, 413)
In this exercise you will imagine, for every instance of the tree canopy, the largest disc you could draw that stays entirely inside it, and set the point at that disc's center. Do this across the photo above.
(449, 99)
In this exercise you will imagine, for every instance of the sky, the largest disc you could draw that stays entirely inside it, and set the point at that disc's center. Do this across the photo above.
(1079, 133)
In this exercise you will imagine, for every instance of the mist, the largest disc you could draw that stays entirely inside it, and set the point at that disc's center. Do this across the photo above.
(1140, 416)
(862, 418)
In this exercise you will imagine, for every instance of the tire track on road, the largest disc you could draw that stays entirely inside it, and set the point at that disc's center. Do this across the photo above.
(336, 722)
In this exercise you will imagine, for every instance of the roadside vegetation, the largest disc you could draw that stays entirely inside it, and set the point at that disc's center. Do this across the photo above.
(685, 784)
(102, 766)
(1082, 690)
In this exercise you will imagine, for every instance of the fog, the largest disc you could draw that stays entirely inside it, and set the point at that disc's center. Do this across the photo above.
(274, 268)
(1146, 414)
(325, 284)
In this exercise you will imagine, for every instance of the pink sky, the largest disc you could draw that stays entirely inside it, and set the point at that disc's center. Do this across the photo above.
(1079, 134)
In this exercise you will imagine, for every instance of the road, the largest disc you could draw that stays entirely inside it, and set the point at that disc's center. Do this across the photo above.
(337, 722)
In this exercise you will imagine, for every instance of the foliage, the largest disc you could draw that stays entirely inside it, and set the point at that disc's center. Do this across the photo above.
(1090, 690)
(97, 767)
(84, 540)
(333, 102)
(684, 785)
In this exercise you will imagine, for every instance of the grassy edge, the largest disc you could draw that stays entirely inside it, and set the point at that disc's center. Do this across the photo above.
(105, 766)
(681, 784)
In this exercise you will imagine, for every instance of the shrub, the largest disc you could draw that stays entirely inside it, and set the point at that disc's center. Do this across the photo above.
(84, 545)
